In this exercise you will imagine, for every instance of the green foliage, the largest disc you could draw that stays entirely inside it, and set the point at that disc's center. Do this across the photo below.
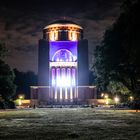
(117, 58)
(7, 86)
(3, 50)
(117, 87)
(17, 102)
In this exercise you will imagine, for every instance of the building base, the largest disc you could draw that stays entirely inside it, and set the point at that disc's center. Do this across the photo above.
(42, 96)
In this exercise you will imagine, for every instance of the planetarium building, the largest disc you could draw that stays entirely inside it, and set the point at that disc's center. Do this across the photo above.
(63, 70)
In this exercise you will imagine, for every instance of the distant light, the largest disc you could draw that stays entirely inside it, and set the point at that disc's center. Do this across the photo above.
(19, 102)
(107, 102)
(21, 96)
(131, 98)
(102, 95)
(106, 96)
(116, 99)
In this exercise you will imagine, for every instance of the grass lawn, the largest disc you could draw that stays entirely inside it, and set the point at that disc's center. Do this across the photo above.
(69, 124)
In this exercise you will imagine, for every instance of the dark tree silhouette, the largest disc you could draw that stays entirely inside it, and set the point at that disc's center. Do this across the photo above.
(118, 56)
(24, 80)
(7, 86)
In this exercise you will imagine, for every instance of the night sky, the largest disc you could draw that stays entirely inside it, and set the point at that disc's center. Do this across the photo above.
(22, 21)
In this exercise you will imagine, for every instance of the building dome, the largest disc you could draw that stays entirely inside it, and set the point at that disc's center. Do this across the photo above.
(63, 23)
(60, 30)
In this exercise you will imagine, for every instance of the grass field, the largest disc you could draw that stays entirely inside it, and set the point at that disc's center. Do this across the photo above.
(69, 124)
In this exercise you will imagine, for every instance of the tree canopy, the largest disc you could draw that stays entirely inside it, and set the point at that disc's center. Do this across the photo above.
(117, 58)
(7, 86)
(24, 80)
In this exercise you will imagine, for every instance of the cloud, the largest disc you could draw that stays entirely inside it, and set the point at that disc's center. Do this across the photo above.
(21, 24)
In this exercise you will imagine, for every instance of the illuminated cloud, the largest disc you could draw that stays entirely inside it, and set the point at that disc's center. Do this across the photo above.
(21, 24)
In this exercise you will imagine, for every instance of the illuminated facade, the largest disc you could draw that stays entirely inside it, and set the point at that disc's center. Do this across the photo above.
(63, 74)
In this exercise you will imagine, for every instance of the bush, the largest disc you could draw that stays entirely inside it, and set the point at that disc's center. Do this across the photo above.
(135, 104)
(2, 106)
(7, 105)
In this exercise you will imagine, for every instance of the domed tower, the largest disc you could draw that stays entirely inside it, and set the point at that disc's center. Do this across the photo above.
(62, 63)
(63, 30)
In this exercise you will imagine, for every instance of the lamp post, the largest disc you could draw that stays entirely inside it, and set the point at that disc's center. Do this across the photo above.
(106, 96)
(107, 102)
(116, 99)
(102, 94)
(21, 97)
(106, 99)
(131, 98)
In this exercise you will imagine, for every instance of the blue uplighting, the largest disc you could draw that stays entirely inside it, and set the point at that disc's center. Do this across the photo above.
(65, 51)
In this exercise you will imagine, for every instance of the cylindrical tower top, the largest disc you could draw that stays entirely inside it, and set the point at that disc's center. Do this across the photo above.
(63, 30)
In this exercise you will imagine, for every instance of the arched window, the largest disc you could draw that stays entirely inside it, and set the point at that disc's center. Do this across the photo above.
(63, 55)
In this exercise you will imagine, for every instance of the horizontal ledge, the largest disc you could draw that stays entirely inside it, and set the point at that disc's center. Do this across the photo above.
(36, 87)
(64, 64)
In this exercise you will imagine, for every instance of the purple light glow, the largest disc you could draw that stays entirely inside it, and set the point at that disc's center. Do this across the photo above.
(69, 76)
(63, 77)
(65, 51)
(58, 80)
(63, 55)
(63, 72)
(73, 76)
(53, 76)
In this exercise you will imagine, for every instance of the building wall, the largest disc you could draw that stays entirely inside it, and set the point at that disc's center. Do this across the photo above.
(43, 63)
(71, 38)
(83, 64)
(45, 97)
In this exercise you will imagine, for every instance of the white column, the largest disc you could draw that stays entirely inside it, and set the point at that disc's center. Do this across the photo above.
(66, 94)
(69, 76)
(52, 92)
(60, 93)
(53, 77)
(73, 77)
(71, 97)
(57, 77)
(55, 96)
(75, 93)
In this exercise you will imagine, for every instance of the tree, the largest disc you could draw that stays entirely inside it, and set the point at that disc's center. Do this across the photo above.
(117, 87)
(7, 86)
(3, 50)
(24, 80)
(117, 58)
(92, 77)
